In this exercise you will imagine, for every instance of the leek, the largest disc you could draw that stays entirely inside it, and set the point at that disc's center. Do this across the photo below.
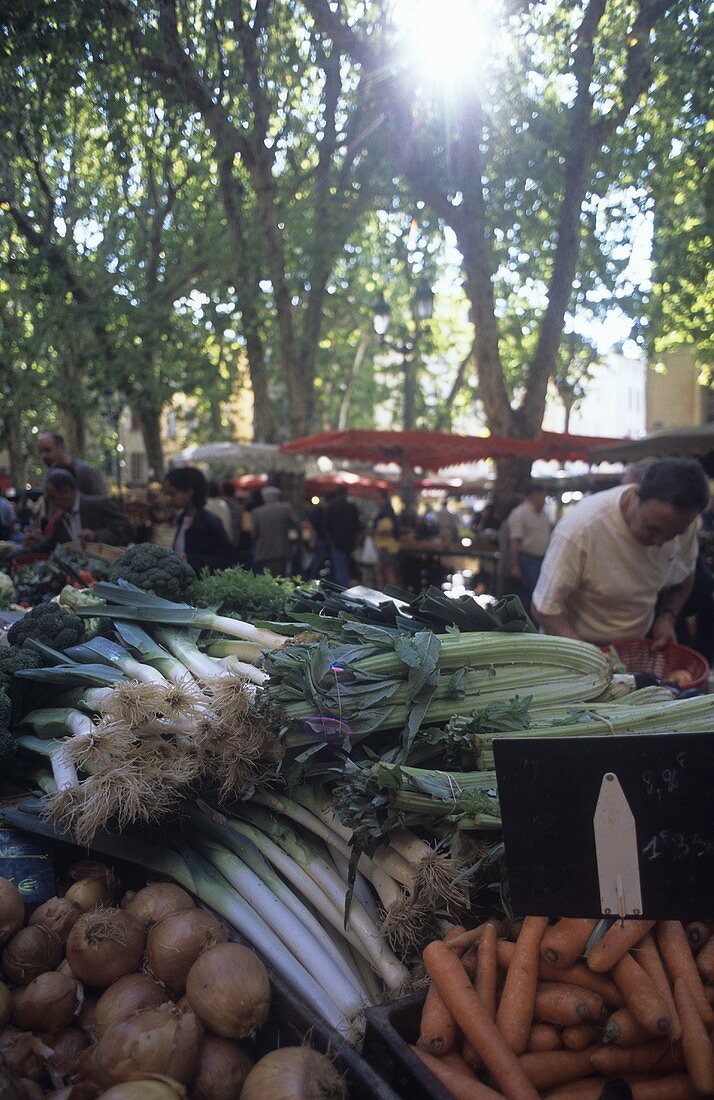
(228, 647)
(151, 653)
(75, 675)
(64, 772)
(114, 654)
(182, 644)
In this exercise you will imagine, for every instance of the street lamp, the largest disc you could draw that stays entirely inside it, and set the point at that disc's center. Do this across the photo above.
(424, 301)
(381, 316)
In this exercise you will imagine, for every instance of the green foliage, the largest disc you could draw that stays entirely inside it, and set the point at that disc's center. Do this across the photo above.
(12, 658)
(156, 569)
(243, 595)
(7, 741)
(50, 624)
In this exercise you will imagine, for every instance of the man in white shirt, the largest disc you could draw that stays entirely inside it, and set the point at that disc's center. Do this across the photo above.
(529, 534)
(614, 553)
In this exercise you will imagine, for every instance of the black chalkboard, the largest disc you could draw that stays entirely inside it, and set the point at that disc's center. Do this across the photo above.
(548, 791)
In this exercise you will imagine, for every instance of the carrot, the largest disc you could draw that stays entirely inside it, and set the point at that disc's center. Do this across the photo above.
(588, 1088)
(542, 1037)
(623, 1030)
(473, 936)
(616, 1061)
(696, 1044)
(641, 996)
(578, 974)
(487, 970)
(698, 933)
(515, 1012)
(514, 930)
(565, 941)
(438, 1030)
(445, 970)
(679, 963)
(546, 1070)
(458, 1084)
(616, 942)
(673, 1086)
(649, 959)
(579, 1036)
(705, 960)
(565, 1005)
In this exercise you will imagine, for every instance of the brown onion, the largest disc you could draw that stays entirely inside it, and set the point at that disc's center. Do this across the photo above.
(127, 995)
(105, 945)
(82, 1090)
(66, 1046)
(65, 968)
(85, 1020)
(6, 1000)
(48, 1003)
(12, 909)
(59, 915)
(294, 1072)
(30, 952)
(222, 1069)
(86, 1063)
(156, 901)
(154, 1086)
(90, 893)
(24, 1053)
(157, 1040)
(229, 990)
(174, 944)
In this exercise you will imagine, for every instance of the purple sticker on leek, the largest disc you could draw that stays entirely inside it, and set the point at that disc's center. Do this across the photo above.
(333, 731)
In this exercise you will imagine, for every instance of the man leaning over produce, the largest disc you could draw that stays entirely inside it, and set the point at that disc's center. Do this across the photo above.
(72, 516)
(616, 552)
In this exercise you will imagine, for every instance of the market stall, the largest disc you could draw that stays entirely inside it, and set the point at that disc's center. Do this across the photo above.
(319, 768)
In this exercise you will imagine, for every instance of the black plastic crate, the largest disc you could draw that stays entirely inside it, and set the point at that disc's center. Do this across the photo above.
(390, 1030)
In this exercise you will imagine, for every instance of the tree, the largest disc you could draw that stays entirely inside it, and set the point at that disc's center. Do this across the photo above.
(576, 360)
(525, 166)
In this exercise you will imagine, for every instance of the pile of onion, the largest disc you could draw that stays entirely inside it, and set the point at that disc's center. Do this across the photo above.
(156, 1040)
(12, 910)
(30, 952)
(59, 915)
(156, 901)
(104, 945)
(229, 990)
(174, 944)
(293, 1073)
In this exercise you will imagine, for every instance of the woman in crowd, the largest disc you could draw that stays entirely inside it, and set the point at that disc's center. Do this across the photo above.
(200, 537)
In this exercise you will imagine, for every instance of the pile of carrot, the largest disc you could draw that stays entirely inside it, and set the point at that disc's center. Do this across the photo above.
(520, 1015)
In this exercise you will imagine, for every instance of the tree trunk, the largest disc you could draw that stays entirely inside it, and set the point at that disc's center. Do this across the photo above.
(73, 426)
(410, 392)
(512, 477)
(17, 459)
(151, 434)
(350, 383)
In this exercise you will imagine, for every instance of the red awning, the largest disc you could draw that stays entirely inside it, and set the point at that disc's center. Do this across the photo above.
(356, 484)
(434, 450)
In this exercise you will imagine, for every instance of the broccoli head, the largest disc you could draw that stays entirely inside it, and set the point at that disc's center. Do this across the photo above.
(48, 623)
(7, 741)
(12, 659)
(155, 569)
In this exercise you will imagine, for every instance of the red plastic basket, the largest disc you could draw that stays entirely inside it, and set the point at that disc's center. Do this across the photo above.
(637, 655)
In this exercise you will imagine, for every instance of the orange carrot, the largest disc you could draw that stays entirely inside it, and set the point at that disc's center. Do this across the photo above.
(649, 959)
(578, 974)
(546, 1070)
(565, 941)
(698, 933)
(515, 1012)
(616, 942)
(438, 1030)
(473, 936)
(705, 960)
(564, 1005)
(673, 1086)
(458, 1084)
(617, 1061)
(588, 1088)
(487, 970)
(579, 1036)
(679, 963)
(445, 970)
(696, 1044)
(542, 1037)
(623, 1030)
(641, 996)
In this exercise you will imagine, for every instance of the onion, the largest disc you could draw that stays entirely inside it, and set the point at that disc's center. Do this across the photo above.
(24, 1053)
(105, 945)
(86, 1063)
(30, 952)
(85, 1020)
(156, 901)
(66, 1047)
(128, 995)
(59, 915)
(157, 1040)
(174, 944)
(48, 1003)
(6, 1000)
(153, 1086)
(229, 990)
(222, 1069)
(65, 968)
(82, 1090)
(12, 909)
(294, 1073)
(31, 1090)
(90, 893)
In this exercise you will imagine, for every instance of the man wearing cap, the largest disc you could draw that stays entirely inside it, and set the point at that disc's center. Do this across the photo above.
(618, 555)
(272, 524)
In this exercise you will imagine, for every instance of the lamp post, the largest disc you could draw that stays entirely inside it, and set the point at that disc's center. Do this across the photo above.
(114, 402)
(422, 310)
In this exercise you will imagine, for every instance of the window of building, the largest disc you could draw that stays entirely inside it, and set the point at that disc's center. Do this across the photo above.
(137, 466)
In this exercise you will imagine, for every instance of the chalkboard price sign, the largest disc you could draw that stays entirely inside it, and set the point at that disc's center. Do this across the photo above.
(609, 825)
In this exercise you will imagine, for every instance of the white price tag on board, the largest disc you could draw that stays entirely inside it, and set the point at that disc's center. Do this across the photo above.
(617, 851)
